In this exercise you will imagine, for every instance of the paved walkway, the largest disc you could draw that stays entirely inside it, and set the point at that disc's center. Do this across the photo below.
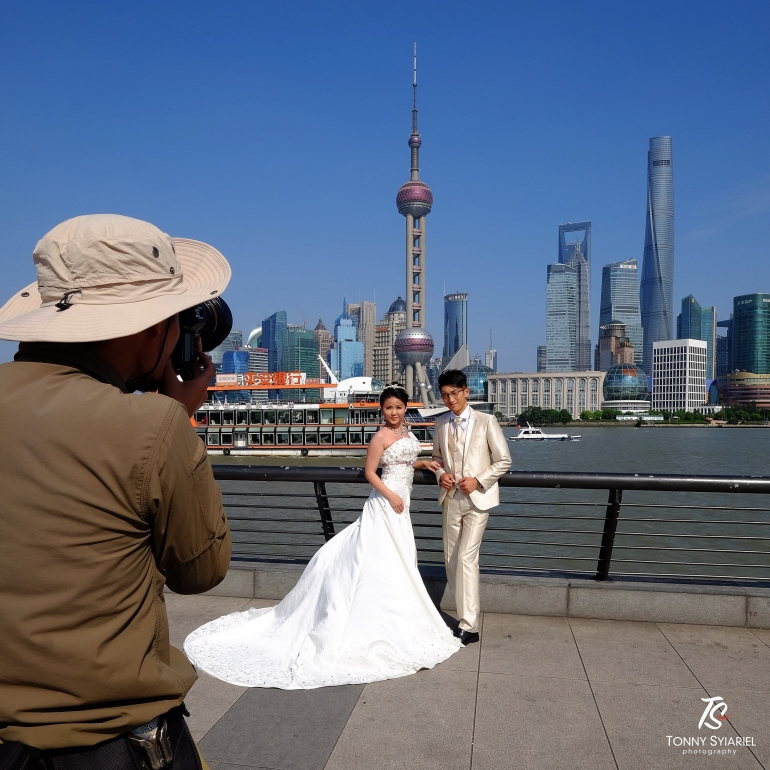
(538, 692)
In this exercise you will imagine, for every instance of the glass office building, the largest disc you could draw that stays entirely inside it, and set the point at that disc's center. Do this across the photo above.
(455, 324)
(300, 354)
(273, 339)
(657, 285)
(750, 333)
(575, 251)
(561, 318)
(346, 356)
(699, 323)
(620, 302)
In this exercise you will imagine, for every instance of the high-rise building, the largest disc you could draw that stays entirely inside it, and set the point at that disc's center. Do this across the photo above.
(235, 362)
(257, 363)
(300, 354)
(722, 356)
(490, 355)
(455, 324)
(346, 357)
(678, 374)
(364, 317)
(575, 251)
(657, 285)
(620, 302)
(699, 323)
(415, 201)
(613, 347)
(561, 318)
(542, 358)
(386, 365)
(324, 339)
(273, 329)
(750, 333)
(233, 341)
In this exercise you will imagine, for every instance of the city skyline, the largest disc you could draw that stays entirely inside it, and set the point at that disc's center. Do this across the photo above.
(228, 135)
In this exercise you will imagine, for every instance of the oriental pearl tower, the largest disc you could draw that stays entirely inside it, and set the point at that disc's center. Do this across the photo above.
(414, 345)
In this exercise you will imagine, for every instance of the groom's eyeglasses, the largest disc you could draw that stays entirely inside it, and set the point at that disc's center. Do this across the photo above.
(446, 394)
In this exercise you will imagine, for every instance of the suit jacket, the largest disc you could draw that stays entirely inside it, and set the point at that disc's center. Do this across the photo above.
(485, 458)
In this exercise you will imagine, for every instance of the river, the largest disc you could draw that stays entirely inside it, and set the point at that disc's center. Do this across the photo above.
(536, 530)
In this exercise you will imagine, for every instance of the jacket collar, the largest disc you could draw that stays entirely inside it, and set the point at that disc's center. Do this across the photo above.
(77, 355)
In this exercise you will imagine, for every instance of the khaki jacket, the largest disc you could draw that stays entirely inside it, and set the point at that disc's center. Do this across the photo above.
(106, 497)
(486, 456)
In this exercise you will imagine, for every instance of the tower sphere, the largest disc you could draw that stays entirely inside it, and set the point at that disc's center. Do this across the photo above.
(415, 141)
(413, 346)
(414, 198)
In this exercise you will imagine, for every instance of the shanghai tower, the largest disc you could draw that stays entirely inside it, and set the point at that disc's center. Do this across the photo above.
(657, 285)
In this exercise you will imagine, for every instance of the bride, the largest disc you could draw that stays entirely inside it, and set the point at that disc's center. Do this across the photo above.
(360, 612)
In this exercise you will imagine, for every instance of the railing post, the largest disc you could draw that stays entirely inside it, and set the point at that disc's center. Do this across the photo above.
(327, 523)
(608, 536)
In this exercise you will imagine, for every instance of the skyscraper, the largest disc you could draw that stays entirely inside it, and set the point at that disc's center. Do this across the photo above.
(657, 285)
(300, 354)
(324, 339)
(233, 341)
(575, 251)
(561, 318)
(750, 333)
(415, 201)
(386, 366)
(455, 324)
(490, 355)
(364, 317)
(699, 323)
(620, 302)
(272, 339)
(542, 358)
(346, 357)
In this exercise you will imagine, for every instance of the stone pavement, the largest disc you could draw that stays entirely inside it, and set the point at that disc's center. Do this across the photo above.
(538, 692)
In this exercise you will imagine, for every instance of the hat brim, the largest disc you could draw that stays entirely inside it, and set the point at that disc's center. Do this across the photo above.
(206, 275)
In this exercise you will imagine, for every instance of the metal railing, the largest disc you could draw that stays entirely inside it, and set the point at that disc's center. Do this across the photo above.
(630, 526)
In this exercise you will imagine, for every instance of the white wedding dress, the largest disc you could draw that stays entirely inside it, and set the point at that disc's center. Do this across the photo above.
(359, 613)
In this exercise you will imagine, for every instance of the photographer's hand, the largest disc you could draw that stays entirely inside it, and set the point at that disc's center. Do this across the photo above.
(190, 393)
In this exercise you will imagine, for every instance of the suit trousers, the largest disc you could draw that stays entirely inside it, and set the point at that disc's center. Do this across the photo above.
(463, 529)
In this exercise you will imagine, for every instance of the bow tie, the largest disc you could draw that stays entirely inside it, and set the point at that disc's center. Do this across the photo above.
(459, 422)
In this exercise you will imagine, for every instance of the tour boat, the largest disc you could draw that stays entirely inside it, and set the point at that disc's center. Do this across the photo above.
(535, 434)
(233, 422)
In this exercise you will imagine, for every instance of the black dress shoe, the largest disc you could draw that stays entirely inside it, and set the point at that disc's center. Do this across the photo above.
(467, 637)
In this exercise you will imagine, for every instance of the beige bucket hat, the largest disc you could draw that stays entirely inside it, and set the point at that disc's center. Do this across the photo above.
(104, 276)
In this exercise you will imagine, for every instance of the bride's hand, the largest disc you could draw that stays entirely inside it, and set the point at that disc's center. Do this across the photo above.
(429, 465)
(396, 503)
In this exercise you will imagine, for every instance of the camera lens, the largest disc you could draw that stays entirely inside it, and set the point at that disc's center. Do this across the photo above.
(217, 322)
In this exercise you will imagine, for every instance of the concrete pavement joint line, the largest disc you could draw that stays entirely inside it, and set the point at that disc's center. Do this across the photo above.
(339, 735)
(593, 695)
(476, 701)
(708, 692)
(751, 631)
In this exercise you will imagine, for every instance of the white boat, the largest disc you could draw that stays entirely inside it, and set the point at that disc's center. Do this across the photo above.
(535, 434)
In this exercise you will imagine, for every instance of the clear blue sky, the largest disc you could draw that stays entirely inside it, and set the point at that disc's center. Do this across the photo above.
(278, 132)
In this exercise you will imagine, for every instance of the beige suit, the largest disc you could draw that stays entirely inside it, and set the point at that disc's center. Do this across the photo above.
(479, 451)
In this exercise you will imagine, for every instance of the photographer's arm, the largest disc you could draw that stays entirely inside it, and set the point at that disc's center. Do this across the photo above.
(190, 533)
(190, 393)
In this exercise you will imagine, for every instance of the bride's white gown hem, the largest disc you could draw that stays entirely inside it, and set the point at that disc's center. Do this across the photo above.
(359, 613)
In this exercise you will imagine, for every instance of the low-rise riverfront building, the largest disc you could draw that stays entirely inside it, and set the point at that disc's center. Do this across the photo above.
(744, 388)
(513, 392)
(679, 374)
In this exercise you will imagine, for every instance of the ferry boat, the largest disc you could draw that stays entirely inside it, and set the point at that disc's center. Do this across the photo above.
(343, 425)
(536, 434)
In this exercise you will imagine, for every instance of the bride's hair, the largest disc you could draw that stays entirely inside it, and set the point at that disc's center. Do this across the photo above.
(394, 391)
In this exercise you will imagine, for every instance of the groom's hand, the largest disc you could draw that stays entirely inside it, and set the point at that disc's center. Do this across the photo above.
(468, 484)
(447, 480)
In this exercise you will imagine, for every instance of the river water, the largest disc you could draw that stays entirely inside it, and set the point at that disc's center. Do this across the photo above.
(545, 531)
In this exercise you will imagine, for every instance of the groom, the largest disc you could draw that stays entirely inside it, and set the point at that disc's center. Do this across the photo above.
(473, 454)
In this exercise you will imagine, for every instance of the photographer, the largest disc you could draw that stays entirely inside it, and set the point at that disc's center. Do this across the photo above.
(108, 495)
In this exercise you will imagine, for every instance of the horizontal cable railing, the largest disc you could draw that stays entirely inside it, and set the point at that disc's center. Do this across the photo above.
(630, 526)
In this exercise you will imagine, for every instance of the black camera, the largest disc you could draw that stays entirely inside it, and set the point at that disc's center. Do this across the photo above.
(211, 321)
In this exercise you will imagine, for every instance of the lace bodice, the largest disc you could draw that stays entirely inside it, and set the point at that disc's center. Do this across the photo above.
(398, 462)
